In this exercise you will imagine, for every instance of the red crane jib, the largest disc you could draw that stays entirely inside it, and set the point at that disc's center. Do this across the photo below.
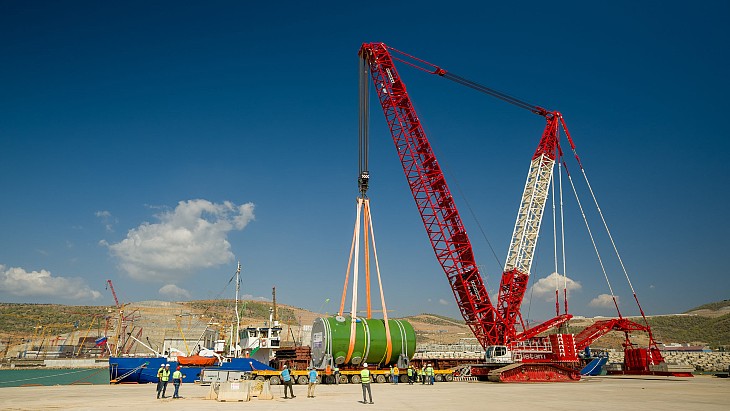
(433, 199)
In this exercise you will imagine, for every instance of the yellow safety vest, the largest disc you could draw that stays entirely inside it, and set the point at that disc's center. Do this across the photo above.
(429, 371)
(365, 376)
(177, 375)
(165, 375)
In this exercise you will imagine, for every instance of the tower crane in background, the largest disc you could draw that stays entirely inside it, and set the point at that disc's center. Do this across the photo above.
(122, 344)
(114, 294)
(513, 354)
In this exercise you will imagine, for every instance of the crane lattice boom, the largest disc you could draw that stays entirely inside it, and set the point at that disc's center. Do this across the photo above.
(433, 199)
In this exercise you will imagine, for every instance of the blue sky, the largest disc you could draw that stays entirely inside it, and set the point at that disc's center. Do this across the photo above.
(157, 143)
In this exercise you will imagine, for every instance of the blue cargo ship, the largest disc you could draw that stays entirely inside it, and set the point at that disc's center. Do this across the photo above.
(144, 369)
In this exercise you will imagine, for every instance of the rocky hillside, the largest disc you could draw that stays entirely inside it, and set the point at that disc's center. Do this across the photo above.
(44, 323)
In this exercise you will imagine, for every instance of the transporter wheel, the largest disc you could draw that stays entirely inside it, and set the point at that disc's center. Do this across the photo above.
(439, 378)
(329, 379)
(380, 378)
(403, 378)
(260, 378)
(274, 380)
(355, 379)
(449, 377)
(302, 380)
(343, 379)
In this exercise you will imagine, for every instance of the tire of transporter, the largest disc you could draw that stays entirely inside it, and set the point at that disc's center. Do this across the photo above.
(343, 379)
(380, 378)
(260, 378)
(403, 378)
(438, 378)
(302, 380)
(274, 380)
(449, 377)
(329, 379)
(355, 379)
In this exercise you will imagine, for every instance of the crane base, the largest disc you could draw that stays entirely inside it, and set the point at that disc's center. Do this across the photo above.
(521, 372)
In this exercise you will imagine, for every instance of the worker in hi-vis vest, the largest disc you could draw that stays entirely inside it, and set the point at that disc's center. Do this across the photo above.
(177, 377)
(365, 380)
(430, 374)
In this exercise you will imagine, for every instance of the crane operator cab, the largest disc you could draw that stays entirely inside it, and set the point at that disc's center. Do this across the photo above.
(498, 354)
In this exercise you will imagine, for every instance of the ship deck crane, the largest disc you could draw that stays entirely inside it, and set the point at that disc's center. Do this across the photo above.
(543, 359)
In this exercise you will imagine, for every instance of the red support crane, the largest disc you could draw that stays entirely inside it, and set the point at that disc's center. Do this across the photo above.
(114, 294)
(547, 359)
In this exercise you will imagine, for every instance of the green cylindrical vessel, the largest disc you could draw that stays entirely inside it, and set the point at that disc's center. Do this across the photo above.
(331, 341)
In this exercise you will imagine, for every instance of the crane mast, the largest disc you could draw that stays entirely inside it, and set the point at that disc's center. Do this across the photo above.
(527, 228)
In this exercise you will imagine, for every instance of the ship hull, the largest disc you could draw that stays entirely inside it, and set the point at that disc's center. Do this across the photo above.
(142, 370)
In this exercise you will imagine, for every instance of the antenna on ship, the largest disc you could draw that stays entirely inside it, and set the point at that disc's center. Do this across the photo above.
(238, 316)
(273, 298)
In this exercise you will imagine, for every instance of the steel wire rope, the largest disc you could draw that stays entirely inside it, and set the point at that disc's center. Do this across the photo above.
(555, 247)
(562, 236)
(495, 93)
(50, 376)
(593, 241)
(608, 232)
(363, 123)
(90, 375)
(452, 177)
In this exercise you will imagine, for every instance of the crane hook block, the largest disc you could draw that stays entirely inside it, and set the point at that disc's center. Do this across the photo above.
(363, 181)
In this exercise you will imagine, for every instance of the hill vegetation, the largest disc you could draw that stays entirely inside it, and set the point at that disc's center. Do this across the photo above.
(27, 319)
(248, 308)
(714, 331)
(706, 324)
(716, 306)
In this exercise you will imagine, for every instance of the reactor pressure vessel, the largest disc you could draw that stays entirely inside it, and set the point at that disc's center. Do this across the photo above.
(331, 341)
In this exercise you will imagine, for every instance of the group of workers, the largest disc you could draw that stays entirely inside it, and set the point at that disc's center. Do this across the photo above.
(163, 377)
(288, 381)
(425, 374)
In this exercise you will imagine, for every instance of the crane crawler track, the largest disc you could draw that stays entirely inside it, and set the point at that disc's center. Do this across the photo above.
(524, 372)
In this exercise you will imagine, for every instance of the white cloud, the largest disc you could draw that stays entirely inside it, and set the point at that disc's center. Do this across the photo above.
(191, 237)
(17, 281)
(174, 292)
(253, 297)
(603, 300)
(545, 287)
(107, 219)
(443, 302)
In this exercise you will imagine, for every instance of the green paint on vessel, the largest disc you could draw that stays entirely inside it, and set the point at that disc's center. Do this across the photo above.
(332, 336)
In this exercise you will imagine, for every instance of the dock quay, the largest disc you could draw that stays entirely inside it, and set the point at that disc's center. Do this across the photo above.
(650, 393)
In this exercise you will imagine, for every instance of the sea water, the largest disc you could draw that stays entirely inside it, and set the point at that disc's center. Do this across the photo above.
(53, 376)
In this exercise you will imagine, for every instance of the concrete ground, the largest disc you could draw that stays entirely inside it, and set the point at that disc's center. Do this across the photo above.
(656, 393)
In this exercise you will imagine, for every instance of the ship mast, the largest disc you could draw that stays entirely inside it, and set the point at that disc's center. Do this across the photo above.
(273, 297)
(238, 316)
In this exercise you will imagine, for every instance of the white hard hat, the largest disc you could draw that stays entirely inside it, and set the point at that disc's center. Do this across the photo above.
(167, 365)
(364, 364)
(285, 366)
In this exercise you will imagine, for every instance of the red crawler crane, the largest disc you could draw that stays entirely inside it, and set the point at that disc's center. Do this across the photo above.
(512, 355)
